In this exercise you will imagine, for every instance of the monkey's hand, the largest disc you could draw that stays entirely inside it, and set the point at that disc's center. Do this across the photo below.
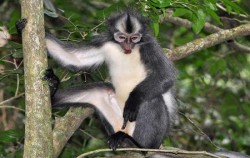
(53, 81)
(131, 108)
(20, 25)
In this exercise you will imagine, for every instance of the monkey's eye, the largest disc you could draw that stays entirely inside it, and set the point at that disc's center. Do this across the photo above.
(136, 38)
(120, 37)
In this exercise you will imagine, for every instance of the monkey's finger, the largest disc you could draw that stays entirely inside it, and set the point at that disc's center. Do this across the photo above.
(132, 116)
(124, 123)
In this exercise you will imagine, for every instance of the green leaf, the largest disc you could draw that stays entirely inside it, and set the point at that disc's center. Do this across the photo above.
(111, 9)
(213, 15)
(211, 4)
(18, 54)
(182, 36)
(10, 135)
(182, 12)
(160, 3)
(198, 21)
(233, 6)
(156, 29)
(218, 67)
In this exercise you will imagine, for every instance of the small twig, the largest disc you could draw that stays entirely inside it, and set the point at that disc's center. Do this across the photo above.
(11, 99)
(176, 151)
(204, 134)
(12, 107)
(225, 10)
(91, 136)
(17, 76)
(101, 23)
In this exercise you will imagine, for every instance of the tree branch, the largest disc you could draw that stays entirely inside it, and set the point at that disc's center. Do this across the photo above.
(67, 125)
(11, 99)
(38, 130)
(209, 41)
(172, 151)
(207, 27)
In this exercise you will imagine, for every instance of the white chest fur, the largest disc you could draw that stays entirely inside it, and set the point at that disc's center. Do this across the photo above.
(126, 70)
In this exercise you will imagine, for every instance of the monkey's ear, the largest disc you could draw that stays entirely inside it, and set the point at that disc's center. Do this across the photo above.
(4, 36)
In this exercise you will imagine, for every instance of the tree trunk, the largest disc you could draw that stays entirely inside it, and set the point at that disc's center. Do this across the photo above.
(38, 130)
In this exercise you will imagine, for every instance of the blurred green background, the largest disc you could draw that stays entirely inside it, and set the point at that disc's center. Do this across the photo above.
(213, 86)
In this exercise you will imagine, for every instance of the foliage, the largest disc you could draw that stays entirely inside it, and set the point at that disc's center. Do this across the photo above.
(212, 88)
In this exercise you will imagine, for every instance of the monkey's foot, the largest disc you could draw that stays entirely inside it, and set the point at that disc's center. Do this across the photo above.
(115, 140)
(20, 25)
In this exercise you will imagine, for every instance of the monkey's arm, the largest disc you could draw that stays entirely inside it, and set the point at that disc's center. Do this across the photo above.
(74, 57)
(148, 89)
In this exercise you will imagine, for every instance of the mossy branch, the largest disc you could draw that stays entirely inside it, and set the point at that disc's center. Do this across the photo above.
(206, 42)
(67, 125)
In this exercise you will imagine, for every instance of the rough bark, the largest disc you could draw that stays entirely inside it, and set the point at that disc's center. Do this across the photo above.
(209, 41)
(38, 130)
(66, 126)
(207, 27)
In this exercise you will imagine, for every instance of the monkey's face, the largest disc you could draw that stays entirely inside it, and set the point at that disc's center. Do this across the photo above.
(127, 30)
(127, 41)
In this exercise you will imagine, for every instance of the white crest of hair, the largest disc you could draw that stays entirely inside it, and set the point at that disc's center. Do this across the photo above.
(137, 25)
(79, 58)
(121, 24)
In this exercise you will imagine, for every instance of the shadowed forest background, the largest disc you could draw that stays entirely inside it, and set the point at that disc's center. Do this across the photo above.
(212, 89)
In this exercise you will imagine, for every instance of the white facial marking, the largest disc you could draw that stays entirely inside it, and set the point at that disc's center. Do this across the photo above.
(121, 24)
(136, 24)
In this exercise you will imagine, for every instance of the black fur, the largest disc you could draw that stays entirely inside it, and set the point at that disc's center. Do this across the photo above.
(129, 26)
(20, 24)
(117, 140)
(53, 81)
(145, 103)
(111, 21)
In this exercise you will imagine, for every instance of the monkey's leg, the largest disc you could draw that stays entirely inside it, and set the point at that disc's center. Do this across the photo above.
(102, 97)
(152, 123)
